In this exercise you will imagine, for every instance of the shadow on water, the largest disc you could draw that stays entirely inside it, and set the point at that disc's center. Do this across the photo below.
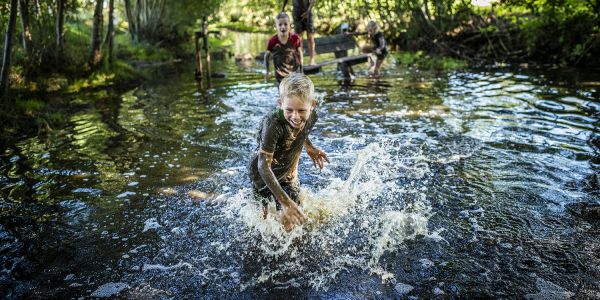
(442, 184)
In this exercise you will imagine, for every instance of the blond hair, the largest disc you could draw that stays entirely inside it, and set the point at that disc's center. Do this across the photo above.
(282, 15)
(373, 25)
(297, 84)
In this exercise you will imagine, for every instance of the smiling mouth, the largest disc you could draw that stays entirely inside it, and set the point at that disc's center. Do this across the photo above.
(295, 124)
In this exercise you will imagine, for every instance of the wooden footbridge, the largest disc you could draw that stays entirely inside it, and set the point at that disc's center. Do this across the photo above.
(338, 44)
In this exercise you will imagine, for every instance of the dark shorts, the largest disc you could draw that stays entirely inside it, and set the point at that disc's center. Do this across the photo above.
(265, 196)
(381, 56)
(301, 25)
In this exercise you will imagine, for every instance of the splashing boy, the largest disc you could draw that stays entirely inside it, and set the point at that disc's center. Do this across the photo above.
(282, 135)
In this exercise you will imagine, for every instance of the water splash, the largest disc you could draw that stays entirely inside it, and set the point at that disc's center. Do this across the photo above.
(352, 223)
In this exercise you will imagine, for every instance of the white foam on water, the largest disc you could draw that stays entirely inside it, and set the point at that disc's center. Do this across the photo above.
(352, 222)
(148, 267)
(549, 290)
(110, 289)
(150, 224)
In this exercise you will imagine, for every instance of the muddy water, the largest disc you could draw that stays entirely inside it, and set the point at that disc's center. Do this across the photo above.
(452, 184)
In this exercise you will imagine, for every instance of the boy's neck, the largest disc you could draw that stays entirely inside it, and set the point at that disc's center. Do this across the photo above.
(283, 37)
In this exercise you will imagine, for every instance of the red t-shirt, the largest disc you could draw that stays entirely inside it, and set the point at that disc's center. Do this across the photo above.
(286, 57)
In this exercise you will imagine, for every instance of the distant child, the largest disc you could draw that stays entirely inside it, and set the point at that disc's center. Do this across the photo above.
(282, 135)
(377, 46)
(285, 48)
(304, 21)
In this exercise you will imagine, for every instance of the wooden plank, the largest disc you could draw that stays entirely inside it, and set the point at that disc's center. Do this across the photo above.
(325, 44)
(312, 69)
(332, 43)
(354, 60)
(350, 60)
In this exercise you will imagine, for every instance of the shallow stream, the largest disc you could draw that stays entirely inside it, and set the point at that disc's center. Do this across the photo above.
(441, 184)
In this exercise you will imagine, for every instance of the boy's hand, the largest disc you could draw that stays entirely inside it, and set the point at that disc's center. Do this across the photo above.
(291, 215)
(318, 157)
(378, 51)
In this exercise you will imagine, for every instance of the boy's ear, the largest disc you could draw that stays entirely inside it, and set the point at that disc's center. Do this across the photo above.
(314, 103)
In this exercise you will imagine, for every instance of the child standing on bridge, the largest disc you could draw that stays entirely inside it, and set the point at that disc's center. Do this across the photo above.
(282, 135)
(285, 48)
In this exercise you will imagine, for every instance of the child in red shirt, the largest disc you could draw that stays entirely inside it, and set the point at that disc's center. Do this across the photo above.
(285, 48)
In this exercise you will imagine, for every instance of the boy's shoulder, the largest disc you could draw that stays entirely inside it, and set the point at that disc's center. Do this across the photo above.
(274, 117)
(295, 39)
(274, 40)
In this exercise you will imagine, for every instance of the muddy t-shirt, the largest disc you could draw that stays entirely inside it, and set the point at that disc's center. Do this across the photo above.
(286, 57)
(276, 136)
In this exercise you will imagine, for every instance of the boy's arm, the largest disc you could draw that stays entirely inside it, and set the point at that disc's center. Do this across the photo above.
(318, 157)
(301, 57)
(355, 33)
(267, 58)
(291, 212)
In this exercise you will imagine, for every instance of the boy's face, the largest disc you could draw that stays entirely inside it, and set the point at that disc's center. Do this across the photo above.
(282, 25)
(295, 110)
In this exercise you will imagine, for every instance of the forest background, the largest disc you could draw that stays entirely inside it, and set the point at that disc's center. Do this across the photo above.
(63, 46)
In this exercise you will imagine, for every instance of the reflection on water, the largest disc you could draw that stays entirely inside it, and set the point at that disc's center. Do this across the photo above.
(441, 185)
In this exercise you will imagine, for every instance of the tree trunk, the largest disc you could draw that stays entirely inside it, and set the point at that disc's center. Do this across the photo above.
(132, 25)
(10, 33)
(110, 35)
(96, 53)
(60, 24)
(138, 5)
(26, 28)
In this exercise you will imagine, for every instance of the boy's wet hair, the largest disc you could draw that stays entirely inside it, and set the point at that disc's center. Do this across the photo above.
(282, 15)
(373, 25)
(299, 85)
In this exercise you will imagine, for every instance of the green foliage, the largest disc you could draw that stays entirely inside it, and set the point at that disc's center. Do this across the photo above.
(242, 27)
(119, 73)
(142, 51)
(220, 42)
(30, 105)
(419, 59)
(562, 37)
